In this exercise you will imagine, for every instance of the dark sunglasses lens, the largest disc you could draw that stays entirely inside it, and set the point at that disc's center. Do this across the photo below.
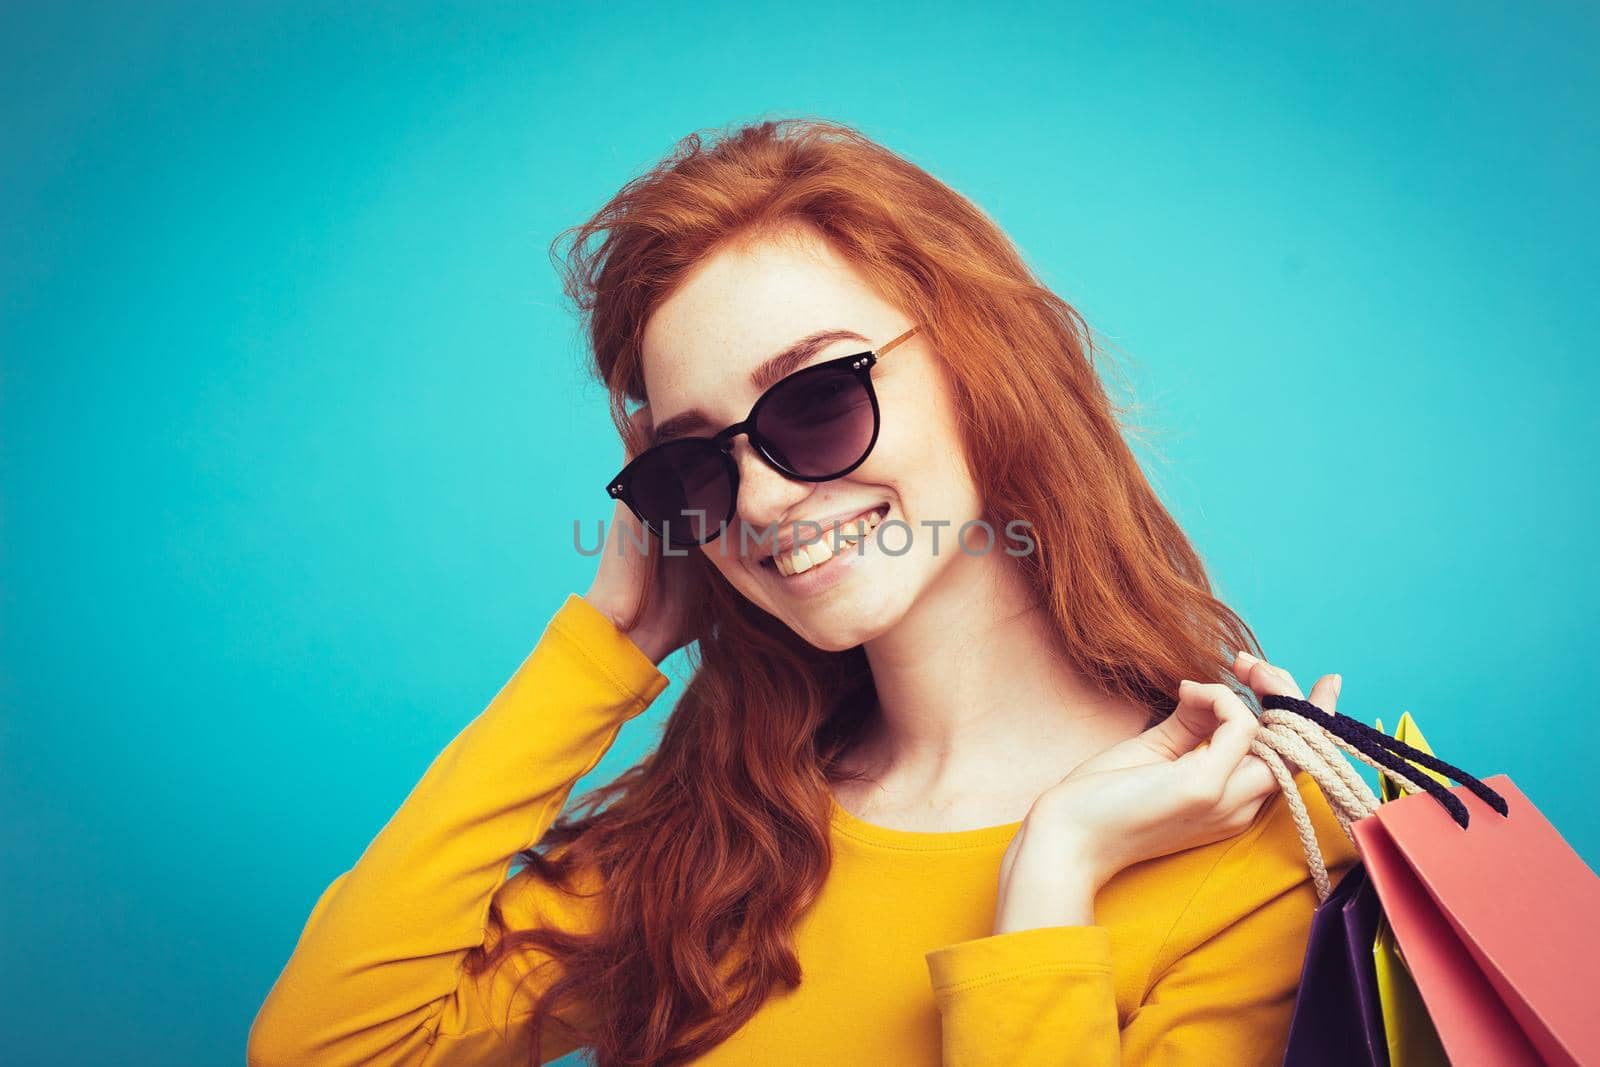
(819, 423)
(683, 489)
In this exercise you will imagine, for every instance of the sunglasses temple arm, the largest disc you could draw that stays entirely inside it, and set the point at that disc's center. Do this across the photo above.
(884, 350)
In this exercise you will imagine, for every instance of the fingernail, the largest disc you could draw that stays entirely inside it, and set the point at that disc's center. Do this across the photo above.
(1248, 658)
(1338, 683)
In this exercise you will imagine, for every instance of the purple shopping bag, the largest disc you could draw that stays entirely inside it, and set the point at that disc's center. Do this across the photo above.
(1338, 1018)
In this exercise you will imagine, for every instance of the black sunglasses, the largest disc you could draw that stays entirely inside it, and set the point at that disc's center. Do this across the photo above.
(814, 425)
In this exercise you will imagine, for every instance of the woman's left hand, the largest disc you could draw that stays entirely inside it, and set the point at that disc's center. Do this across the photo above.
(1188, 781)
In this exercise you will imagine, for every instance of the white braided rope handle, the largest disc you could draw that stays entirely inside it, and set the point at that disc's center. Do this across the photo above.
(1286, 737)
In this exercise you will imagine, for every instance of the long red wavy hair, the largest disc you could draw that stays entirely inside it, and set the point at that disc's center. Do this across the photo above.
(706, 852)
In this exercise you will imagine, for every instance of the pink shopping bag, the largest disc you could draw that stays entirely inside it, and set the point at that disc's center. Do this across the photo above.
(1499, 922)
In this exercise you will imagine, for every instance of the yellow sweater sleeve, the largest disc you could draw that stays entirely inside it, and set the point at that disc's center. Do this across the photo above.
(1221, 986)
(376, 977)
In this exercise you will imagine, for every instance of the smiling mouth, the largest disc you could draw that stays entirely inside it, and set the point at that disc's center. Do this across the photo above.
(806, 557)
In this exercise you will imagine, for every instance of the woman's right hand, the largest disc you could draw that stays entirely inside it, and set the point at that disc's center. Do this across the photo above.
(624, 567)
(1188, 781)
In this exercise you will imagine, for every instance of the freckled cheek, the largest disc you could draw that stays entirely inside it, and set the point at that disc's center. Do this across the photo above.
(723, 554)
(920, 477)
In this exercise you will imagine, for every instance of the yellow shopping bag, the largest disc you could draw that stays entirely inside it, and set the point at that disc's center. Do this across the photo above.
(1413, 1041)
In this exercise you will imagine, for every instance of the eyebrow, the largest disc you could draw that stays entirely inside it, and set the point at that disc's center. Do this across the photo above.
(764, 377)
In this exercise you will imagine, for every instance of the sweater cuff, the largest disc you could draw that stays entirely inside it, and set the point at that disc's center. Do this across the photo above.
(622, 661)
(998, 957)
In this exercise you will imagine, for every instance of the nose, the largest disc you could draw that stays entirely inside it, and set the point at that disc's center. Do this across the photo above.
(765, 495)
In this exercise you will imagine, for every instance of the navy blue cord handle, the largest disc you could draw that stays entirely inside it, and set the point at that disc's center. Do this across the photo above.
(1391, 753)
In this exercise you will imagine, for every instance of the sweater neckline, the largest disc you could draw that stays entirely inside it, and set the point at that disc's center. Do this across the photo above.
(850, 825)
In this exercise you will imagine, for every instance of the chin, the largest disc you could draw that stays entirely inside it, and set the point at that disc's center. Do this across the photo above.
(845, 626)
(833, 624)
(836, 640)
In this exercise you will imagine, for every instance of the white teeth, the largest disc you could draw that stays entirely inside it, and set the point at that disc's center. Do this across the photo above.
(815, 553)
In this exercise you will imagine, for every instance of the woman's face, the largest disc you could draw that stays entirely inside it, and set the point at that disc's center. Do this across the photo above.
(737, 309)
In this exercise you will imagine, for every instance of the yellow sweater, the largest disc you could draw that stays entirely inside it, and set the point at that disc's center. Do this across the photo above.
(1193, 958)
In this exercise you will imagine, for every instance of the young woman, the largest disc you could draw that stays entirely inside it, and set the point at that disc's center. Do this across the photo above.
(966, 782)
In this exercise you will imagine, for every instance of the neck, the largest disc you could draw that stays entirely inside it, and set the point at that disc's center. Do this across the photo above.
(977, 708)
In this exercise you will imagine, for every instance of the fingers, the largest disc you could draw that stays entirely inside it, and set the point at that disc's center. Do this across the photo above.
(1264, 678)
(1229, 742)
(1250, 785)
(1250, 780)
(1230, 782)
(1190, 724)
(1325, 694)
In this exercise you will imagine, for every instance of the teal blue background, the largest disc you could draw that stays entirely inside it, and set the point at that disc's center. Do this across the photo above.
(295, 421)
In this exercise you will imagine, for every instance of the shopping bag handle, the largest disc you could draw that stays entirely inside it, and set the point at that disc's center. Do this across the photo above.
(1299, 731)
(1388, 751)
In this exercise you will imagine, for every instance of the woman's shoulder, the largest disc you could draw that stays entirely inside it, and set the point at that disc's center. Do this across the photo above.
(1277, 841)
(1272, 856)
(1261, 878)
(1230, 919)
